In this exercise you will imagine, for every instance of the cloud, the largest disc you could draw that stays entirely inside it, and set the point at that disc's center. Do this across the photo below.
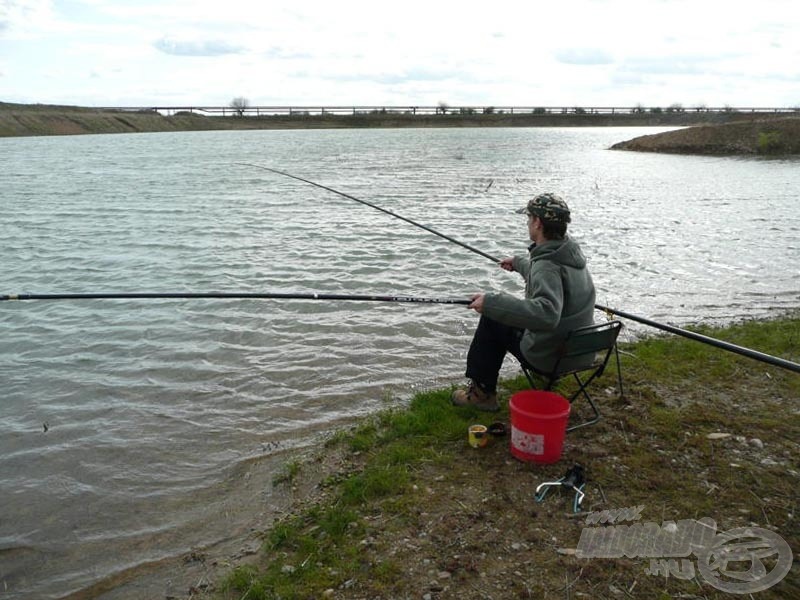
(196, 47)
(350, 52)
(23, 16)
(413, 75)
(677, 64)
(284, 53)
(627, 78)
(583, 56)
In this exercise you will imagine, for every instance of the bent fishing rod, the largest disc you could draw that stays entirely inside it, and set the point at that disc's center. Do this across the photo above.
(376, 207)
(234, 295)
(741, 350)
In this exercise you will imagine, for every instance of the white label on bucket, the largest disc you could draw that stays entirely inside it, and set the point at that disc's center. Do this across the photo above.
(529, 443)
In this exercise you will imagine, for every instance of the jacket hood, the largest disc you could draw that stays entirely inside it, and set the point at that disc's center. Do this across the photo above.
(564, 252)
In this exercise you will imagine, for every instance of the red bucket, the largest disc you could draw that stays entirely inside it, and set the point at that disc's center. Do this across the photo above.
(538, 425)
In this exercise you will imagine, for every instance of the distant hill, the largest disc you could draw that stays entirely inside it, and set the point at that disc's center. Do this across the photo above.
(41, 119)
(774, 136)
(44, 119)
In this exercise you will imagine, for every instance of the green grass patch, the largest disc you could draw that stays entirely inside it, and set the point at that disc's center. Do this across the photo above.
(670, 360)
(324, 540)
(769, 142)
(375, 482)
(290, 471)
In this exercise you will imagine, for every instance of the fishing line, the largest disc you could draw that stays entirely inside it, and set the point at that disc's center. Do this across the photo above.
(741, 350)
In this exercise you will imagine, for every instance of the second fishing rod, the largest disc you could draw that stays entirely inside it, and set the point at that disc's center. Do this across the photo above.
(741, 350)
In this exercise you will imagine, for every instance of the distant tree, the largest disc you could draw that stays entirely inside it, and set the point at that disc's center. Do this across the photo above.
(656, 110)
(489, 110)
(442, 108)
(677, 107)
(638, 109)
(239, 104)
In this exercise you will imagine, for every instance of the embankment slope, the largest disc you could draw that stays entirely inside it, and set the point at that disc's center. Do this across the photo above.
(42, 119)
(774, 137)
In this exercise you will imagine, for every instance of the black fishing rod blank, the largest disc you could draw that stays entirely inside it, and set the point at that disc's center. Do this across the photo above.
(235, 295)
(699, 337)
(376, 207)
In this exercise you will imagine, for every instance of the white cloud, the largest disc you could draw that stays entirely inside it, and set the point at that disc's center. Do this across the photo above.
(19, 18)
(196, 47)
(583, 56)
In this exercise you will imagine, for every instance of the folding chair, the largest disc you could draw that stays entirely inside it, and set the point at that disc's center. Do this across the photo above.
(590, 347)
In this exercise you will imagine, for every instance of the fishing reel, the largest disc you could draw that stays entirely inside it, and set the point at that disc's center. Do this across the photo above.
(573, 480)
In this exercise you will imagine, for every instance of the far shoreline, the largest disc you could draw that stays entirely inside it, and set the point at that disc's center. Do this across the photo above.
(24, 120)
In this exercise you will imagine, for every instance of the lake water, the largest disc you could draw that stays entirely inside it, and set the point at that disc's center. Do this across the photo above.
(128, 428)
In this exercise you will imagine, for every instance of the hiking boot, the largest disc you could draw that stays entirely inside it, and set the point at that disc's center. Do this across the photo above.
(475, 397)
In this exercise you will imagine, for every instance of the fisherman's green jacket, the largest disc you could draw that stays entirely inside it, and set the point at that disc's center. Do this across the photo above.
(559, 297)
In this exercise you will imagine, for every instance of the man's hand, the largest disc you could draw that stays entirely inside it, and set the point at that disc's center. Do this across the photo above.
(477, 303)
(507, 264)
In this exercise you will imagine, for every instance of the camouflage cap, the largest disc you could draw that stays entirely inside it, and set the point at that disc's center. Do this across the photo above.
(547, 206)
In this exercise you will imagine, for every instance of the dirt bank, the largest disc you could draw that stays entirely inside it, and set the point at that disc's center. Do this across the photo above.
(34, 120)
(768, 137)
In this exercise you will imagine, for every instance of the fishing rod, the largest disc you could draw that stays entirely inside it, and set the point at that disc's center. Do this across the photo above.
(376, 207)
(235, 295)
(749, 353)
(754, 354)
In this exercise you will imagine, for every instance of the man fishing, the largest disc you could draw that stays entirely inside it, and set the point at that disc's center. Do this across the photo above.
(559, 297)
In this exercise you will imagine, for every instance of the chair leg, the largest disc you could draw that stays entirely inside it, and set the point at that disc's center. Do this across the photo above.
(582, 390)
(533, 382)
(619, 373)
(529, 377)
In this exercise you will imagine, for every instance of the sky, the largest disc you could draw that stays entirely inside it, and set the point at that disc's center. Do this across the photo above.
(587, 53)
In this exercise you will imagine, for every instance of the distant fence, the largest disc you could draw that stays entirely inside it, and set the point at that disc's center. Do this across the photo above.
(267, 111)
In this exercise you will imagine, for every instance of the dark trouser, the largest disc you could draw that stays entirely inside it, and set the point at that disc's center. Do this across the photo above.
(488, 349)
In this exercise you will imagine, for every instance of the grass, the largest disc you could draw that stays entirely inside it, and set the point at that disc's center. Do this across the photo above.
(769, 142)
(319, 549)
(290, 471)
(413, 503)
